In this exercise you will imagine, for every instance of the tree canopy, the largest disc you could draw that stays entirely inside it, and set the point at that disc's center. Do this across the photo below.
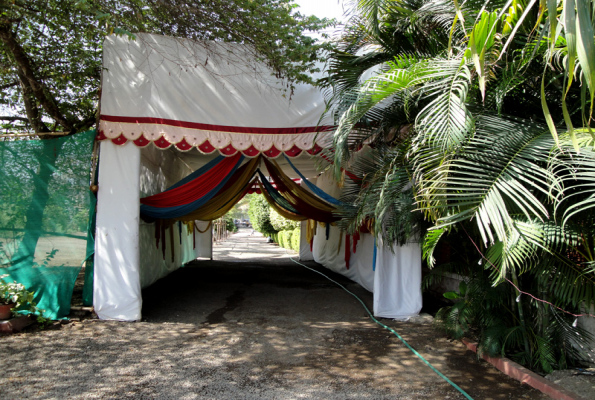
(50, 50)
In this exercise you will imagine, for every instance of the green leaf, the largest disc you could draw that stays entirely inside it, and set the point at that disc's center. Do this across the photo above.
(429, 245)
(552, 9)
(463, 288)
(516, 27)
(586, 47)
(481, 40)
(546, 111)
(452, 295)
(569, 21)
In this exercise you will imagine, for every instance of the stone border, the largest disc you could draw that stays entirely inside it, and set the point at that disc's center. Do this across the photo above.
(526, 376)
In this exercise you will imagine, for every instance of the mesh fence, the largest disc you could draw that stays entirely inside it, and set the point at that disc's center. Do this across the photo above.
(45, 205)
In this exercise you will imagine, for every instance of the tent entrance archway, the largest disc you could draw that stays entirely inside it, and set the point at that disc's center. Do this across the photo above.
(170, 179)
(160, 93)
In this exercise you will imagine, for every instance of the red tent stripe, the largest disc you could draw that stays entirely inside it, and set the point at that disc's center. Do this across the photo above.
(217, 128)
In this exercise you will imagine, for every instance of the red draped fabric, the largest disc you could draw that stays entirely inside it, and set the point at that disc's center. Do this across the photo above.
(194, 189)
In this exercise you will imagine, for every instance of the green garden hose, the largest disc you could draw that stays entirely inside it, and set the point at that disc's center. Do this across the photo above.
(440, 374)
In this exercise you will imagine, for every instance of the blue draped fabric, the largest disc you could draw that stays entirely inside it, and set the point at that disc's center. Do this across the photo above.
(280, 200)
(374, 257)
(313, 188)
(180, 211)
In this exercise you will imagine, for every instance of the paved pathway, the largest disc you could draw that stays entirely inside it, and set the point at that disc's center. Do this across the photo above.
(249, 245)
(265, 328)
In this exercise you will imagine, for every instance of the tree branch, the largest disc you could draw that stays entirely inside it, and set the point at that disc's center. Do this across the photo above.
(86, 123)
(9, 85)
(26, 75)
(7, 118)
(33, 115)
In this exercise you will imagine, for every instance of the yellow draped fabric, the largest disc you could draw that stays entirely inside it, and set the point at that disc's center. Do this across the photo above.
(280, 210)
(206, 229)
(189, 226)
(222, 203)
(297, 191)
(310, 230)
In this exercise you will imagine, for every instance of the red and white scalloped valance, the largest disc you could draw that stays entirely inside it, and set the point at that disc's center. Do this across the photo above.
(207, 138)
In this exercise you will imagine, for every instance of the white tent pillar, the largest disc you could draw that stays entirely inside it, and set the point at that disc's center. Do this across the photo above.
(397, 281)
(116, 287)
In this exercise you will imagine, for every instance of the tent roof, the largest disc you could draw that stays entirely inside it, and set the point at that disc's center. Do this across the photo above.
(208, 95)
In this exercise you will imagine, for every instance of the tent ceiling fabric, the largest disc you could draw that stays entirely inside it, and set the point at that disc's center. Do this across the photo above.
(308, 165)
(205, 95)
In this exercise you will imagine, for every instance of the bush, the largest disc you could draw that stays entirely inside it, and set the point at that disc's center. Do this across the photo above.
(289, 239)
(260, 215)
(229, 225)
(280, 223)
(295, 240)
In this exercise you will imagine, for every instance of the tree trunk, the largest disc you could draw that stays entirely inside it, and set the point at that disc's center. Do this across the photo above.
(26, 74)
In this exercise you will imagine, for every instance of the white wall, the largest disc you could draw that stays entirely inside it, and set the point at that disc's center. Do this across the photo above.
(204, 241)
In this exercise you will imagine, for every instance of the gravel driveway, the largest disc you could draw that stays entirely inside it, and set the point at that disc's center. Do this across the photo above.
(262, 328)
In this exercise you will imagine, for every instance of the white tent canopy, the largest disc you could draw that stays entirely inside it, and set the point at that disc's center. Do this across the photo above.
(168, 106)
(204, 94)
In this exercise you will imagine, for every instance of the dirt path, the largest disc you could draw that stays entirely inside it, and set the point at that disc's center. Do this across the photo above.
(257, 329)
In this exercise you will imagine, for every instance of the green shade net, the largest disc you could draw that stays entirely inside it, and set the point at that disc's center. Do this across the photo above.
(45, 205)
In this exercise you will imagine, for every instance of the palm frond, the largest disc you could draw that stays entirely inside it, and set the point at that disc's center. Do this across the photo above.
(497, 174)
(446, 122)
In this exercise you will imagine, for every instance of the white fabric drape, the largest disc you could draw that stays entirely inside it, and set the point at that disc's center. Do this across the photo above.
(116, 288)
(332, 256)
(397, 282)
(204, 241)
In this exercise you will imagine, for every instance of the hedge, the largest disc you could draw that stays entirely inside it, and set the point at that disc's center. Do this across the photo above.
(295, 240)
(288, 239)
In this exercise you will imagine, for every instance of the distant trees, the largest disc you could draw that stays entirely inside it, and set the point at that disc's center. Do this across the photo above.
(260, 216)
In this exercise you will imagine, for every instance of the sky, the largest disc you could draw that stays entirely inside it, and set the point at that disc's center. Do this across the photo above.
(322, 8)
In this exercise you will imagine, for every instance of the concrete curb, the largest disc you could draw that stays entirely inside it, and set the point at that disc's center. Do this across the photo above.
(526, 376)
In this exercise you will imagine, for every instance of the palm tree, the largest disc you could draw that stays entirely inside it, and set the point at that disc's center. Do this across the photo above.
(464, 130)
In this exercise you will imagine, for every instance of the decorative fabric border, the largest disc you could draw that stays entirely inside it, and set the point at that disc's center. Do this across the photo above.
(250, 141)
